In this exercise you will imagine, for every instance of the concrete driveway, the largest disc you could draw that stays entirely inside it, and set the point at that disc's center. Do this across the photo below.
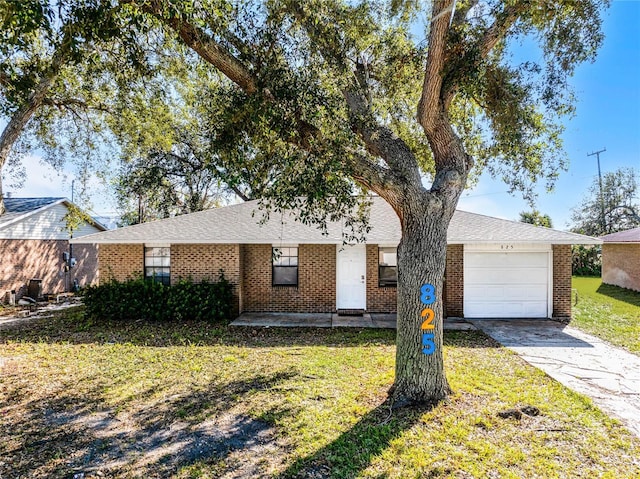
(609, 375)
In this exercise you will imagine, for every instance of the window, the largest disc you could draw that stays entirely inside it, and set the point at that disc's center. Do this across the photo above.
(285, 266)
(387, 266)
(157, 264)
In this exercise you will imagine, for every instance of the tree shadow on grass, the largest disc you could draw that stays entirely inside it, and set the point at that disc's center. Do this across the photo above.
(621, 294)
(72, 436)
(353, 450)
(70, 326)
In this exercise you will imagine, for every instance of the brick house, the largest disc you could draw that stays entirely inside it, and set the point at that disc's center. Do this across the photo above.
(33, 240)
(621, 259)
(495, 268)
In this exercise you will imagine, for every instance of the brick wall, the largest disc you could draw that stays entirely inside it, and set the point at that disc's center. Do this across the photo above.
(120, 261)
(379, 299)
(200, 262)
(621, 265)
(316, 290)
(562, 282)
(22, 260)
(454, 282)
(204, 261)
(86, 270)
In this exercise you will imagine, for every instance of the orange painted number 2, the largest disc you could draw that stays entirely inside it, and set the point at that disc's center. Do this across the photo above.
(428, 315)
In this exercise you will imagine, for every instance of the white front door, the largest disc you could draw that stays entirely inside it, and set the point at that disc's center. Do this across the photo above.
(351, 280)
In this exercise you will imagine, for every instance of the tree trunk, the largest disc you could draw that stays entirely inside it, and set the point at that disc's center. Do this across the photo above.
(421, 261)
(16, 126)
(22, 115)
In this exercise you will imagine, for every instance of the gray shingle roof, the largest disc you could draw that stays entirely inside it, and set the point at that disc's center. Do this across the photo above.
(17, 207)
(241, 223)
(628, 236)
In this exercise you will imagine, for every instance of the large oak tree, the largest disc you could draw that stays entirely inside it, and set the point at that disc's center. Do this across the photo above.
(322, 101)
(340, 96)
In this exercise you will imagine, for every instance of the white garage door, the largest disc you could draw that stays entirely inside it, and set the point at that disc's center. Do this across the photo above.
(506, 285)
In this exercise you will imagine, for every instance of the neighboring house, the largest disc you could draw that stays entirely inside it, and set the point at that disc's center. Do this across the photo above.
(33, 240)
(621, 259)
(495, 268)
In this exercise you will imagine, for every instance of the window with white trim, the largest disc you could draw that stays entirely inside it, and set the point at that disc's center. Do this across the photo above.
(387, 266)
(157, 264)
(284, 270)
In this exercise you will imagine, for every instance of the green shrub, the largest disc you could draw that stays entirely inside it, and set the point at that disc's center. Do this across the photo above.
(143, 299)
(586, 260)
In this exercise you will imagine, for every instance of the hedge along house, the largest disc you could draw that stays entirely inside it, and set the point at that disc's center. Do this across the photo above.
(495, 268)
(621, 259)
(34, 244)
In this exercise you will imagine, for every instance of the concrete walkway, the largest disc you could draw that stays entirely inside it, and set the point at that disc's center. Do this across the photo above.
(331, 320)
(609, 375)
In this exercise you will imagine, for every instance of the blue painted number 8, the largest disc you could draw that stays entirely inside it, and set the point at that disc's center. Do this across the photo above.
(427, 294)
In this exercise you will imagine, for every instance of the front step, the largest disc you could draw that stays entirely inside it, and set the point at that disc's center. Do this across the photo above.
(350, 312)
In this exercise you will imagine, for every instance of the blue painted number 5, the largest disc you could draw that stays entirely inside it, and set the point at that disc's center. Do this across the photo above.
(428, 344)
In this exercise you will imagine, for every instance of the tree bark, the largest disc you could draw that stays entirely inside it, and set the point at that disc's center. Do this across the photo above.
(22, 115)
(16, 125)
(422, 253)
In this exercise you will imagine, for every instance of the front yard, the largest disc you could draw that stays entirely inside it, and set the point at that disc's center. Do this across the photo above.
(609, 312)
(190, 400)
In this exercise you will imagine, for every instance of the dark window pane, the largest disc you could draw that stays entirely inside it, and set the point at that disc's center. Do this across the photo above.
(157, 262)
(285, 276)
(388, 276)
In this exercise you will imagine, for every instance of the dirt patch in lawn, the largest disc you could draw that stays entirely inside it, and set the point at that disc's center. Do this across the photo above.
(150, 443)
(107, 443)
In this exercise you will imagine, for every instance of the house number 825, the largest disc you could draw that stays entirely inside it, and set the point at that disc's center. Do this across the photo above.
(427, 297)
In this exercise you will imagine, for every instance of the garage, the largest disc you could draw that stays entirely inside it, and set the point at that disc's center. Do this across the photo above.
(507, 281)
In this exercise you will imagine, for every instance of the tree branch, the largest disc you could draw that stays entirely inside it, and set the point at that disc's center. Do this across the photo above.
(69, 103)
(430, 105)
(204, 45)
(630, 211)
(22, 115)
(504, 20)
(380, 141)
(468, 64)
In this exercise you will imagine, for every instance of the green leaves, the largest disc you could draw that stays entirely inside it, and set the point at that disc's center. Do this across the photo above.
(611, 208)
(145, 299)
(534, 217)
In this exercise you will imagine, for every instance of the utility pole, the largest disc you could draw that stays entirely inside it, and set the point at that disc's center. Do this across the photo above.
(602, 217)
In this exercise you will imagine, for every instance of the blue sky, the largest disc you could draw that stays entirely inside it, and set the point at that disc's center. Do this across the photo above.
(607, 116)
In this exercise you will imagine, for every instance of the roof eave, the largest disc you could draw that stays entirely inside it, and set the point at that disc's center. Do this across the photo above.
(87, 240)
(33, 212)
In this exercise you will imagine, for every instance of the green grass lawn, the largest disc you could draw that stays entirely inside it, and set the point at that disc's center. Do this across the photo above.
(609, 312)
(193, 400)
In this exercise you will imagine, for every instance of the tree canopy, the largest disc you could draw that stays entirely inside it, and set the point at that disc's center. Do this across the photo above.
(534, 217)
(168, 139)
(619, 201)
(60, 64)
